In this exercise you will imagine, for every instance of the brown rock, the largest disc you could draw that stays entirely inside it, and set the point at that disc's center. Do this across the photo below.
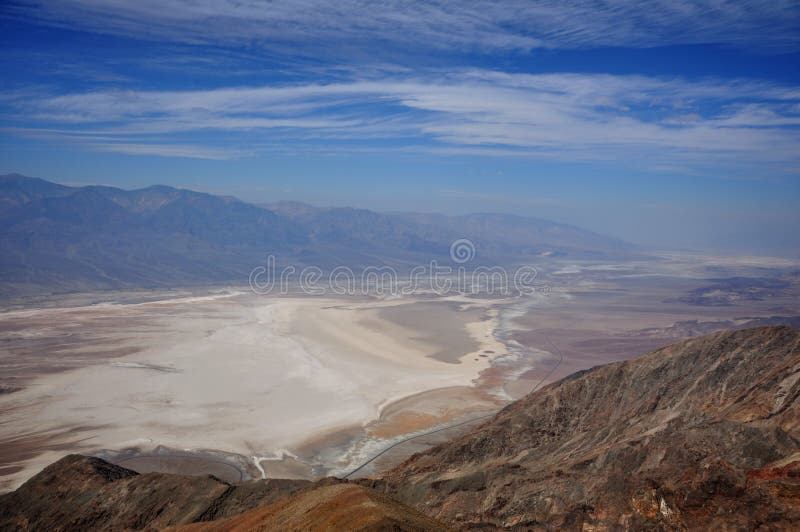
(680, 438)
(334, 507)
(85, 493)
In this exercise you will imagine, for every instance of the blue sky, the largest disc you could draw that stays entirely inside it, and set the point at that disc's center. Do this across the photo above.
(669, 123)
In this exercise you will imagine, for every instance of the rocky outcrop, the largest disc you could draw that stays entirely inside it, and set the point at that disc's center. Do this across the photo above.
(86, 493)
(701, 434)
(80, 493)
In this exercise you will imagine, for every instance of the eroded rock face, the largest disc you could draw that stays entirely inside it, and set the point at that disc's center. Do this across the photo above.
(701, 434)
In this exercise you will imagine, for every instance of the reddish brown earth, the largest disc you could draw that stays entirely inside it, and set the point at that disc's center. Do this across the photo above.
(335, 507)
(700, 435)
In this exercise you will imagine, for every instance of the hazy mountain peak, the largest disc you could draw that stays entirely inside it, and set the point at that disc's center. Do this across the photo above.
(86, 236)
(17, 189)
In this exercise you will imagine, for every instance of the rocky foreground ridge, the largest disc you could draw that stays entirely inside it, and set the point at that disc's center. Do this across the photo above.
(87, 493)
(704, 434)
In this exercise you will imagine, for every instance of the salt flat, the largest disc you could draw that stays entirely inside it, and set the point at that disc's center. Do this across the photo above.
(241, 374)
(235, 384)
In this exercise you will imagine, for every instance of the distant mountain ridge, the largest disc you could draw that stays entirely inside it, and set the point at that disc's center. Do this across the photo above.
(61, 238)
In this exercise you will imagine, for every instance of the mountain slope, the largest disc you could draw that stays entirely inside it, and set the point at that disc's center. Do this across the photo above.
(497, 237)
(512, 236)
(701, 434)
(103, 237)
(334, 507)
(58, 238)
(16, 189)
(84, 493)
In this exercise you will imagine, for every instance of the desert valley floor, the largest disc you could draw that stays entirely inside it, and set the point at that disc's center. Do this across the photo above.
(239, 385)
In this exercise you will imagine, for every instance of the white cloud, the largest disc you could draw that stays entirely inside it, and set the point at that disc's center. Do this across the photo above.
(439, 24)
(166, 150)
(638, 119)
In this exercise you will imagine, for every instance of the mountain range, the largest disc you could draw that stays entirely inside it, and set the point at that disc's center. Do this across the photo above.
(57, 238)
(700, 435)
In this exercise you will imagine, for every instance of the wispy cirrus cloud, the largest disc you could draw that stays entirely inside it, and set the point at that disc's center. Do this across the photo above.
(643, 120)
(167, 150)
(647, 121)
(439, 24)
